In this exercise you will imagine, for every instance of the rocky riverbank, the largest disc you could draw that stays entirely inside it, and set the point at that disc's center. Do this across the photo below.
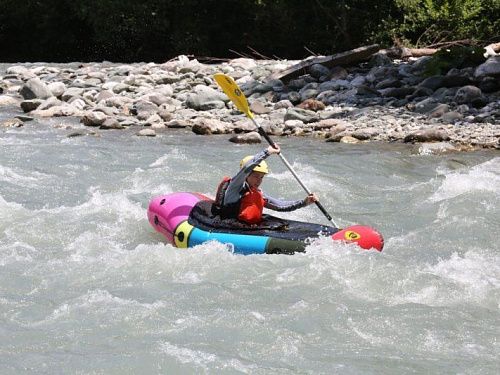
(379, 100)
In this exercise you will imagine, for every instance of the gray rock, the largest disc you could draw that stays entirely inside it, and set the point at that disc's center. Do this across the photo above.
(379, 73)
(467, 94)
(111, 123)
(451, 117)
(325, 124)
(283, 104)
(427, 135)
(157, 98)
(243, 126)
(153, 119)
(307, 94)
(293, 97)
(78, 103)
(259, 108)
(426, 105)
(252, 137)
(30, 105)
(349, 139)
(49, 103)
(20, 71)
(35, 89)
(366, 91)
(109, 111)
(490, 68)
(318, 70)
(6, 100)
(121, 87)
(337, 72)
(454, 80)
(146, 133)
(103, 95)
(165, 115)
(420, 64)
(433, 82)
(12, 123)
(94, 118)
(303, 115)
(71, 93)
(439, 110)
(297, 84)
(358, 81)
(397, 92)
(143, 109)
(57, 88)
(328, 86)
(58, 111)
(380, 59)
(273, 85)
(179, 124)
(364, 134)
(440, 95)
(389, 82)
(207, 126)
(489, 84)
(206, 98)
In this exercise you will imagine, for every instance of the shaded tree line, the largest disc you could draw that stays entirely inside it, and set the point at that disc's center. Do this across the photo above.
(154, 30)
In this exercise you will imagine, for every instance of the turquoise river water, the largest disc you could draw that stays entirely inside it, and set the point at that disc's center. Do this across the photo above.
(88, 287)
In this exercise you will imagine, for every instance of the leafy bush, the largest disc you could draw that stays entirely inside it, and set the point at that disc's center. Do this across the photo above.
(454, 57)
(425, 22)
(156, 30)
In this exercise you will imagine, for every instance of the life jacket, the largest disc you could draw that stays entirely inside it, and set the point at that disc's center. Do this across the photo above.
(221, 191)
(248, 209)
(218, 208)
(251, 207)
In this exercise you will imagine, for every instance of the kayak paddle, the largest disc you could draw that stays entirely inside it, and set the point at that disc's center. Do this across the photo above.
(233, 92)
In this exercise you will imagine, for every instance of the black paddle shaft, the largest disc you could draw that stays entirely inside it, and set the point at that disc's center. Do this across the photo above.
(263, 133)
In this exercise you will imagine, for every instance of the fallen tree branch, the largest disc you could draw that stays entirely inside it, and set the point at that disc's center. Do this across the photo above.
(256, 53)
(344, 58)
(492, 49)
(240, 54)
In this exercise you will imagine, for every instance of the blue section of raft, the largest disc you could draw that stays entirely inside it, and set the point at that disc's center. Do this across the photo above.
(241, 243)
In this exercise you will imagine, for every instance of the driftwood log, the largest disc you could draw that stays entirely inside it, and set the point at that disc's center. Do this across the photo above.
(404, 52)
(492, 49)
(360, 54)
(344, 58)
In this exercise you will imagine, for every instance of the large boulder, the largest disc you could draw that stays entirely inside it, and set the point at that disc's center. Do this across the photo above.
(206, 98)
(304, 115)
(427, 135)
(490, 68)
(207, 126)
(35, 88)
(468, 94)
(6, 100)
(252, 137)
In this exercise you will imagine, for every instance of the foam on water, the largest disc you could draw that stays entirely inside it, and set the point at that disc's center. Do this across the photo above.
(11, 176)
(87, 285)
(484, 177)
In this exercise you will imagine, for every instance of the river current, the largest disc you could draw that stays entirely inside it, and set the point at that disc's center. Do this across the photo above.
(87, 286)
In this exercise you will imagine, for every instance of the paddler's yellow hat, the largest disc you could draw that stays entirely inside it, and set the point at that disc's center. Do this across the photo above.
(262, 167)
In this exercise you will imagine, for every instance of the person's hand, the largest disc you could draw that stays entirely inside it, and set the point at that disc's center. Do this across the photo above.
(310, 199)
(271, 150)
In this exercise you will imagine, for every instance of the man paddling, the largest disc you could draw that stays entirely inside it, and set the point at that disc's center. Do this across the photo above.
(241, 198)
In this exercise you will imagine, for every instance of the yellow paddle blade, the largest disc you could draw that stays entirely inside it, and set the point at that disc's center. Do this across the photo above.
(233, 92)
